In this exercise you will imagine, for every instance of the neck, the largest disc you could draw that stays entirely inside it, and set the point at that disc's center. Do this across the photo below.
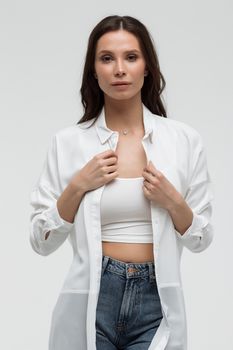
(124, 115)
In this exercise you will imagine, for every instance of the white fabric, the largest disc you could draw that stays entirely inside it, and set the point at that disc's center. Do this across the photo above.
(176, 149)
(125, 212)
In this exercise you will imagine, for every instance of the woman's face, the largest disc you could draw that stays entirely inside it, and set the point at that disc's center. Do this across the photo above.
(119, 59)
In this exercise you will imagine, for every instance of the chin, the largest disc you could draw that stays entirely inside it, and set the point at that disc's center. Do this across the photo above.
(122, 96)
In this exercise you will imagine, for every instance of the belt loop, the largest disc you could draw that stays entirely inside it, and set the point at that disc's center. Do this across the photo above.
(105, 260)
(151, 272)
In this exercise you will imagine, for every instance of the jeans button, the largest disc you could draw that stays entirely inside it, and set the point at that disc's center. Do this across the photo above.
(132, 269)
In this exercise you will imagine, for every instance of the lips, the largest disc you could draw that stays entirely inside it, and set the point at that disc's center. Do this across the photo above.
(120, 83)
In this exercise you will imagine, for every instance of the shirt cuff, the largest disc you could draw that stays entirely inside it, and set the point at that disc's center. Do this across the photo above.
(53, 221)
(195, 229)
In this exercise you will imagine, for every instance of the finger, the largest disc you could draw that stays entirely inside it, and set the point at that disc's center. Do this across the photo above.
(148, 175)
(112, 168)
(152, 170)
(110, 161)
(149, 166)
(152, 166)
(146, 191)
(109, 153)
(146, 184)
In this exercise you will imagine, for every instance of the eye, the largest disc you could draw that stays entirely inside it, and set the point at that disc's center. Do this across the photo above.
(108, 58)
(134, 57)
(105, 58)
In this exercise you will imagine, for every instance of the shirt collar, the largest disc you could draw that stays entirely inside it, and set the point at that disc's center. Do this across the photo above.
(104, 132)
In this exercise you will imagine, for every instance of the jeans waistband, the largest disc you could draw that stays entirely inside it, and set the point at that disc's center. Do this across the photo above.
(128, 269)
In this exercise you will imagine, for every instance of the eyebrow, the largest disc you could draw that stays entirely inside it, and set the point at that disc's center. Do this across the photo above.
(127, 51)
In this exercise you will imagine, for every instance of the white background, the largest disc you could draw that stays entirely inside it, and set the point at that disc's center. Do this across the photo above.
(42, 48)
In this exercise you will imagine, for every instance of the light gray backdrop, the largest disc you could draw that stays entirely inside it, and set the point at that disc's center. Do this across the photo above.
(42, 50)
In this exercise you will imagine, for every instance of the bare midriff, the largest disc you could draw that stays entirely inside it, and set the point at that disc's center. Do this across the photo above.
(129, 252)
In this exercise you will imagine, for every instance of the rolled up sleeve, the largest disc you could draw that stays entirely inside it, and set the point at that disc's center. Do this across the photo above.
(45, 216)
(199, 197)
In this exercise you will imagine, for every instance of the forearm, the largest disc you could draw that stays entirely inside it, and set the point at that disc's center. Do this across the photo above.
(181, 215)
(68, 203)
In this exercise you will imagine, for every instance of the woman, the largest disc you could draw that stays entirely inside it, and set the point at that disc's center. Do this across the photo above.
(129, 188)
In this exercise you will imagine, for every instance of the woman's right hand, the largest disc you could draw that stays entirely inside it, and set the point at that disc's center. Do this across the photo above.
(101, 169)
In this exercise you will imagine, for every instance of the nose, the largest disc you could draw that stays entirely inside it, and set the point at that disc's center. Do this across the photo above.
(119, 69)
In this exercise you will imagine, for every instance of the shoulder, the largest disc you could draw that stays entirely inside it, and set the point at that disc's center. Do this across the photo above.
(181, 131)
(71, 132)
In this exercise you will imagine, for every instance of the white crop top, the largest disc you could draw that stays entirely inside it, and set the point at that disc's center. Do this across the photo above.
(125, 212)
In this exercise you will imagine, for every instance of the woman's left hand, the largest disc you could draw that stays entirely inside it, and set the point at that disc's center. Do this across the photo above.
(157, 188)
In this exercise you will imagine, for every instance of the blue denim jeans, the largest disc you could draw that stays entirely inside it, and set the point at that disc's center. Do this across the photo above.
(128, 310)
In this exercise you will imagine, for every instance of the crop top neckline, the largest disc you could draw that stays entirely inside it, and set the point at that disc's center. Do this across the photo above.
(128, 178)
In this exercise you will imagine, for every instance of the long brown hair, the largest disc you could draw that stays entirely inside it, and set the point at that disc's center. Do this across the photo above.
(92, 96)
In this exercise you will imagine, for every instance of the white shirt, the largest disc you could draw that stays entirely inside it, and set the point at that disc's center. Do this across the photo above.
(175, 149)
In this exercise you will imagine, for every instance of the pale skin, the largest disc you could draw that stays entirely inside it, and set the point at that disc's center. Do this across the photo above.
(123, 60)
